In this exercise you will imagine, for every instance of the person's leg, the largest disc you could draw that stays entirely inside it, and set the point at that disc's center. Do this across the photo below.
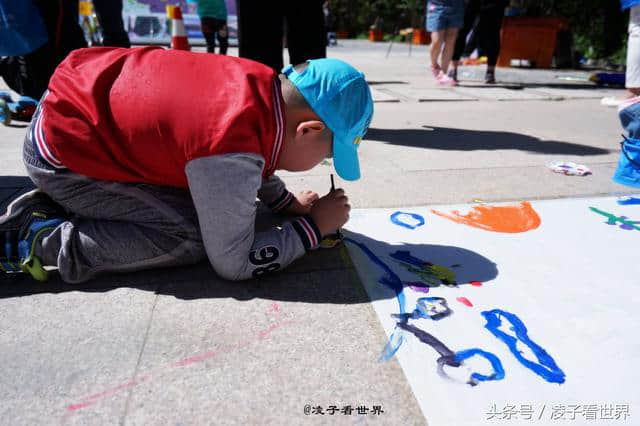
(470, 17)
(114, 227)
(632, 82)
(208, 27)
(450, 36)
(306, 35)
(110, 17)
(29, 74)
(437, 40)
(489, 27)
(222, 33)
(61, 18)
(260, 31)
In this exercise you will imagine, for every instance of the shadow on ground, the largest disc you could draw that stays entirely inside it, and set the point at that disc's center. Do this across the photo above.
(478, 84)
(450, 139)
(321, 276)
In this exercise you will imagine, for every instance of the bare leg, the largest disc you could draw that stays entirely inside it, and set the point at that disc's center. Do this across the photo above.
(436, 46)
(450, 35)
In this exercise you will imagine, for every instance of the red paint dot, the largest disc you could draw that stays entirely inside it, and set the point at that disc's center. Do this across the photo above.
(476, 283)
(464, 301)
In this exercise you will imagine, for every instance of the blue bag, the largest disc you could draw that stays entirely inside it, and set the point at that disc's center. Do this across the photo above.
(626, 4)
(628, 171)
(22, 29)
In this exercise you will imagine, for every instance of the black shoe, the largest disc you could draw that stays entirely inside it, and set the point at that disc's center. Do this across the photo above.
(27, 219)
(453, 74)
(490, 77)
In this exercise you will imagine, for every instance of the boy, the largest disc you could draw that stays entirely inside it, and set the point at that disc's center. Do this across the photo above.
(152, 163)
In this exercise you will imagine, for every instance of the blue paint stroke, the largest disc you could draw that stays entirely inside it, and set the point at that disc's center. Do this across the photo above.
(392, 346)
(498, 370)
(546, 368)
(454, 359)
(629, 201)
(395, 218)
(390, 280)
(435, 308)
(406, 257)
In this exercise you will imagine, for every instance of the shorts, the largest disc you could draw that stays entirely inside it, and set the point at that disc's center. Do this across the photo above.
(441, 17)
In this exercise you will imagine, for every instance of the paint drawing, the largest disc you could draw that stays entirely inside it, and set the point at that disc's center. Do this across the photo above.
(479, 318)
(509, 219)
(623, 221)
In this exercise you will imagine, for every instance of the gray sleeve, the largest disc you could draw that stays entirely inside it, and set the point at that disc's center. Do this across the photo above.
(224, 190)
(274, 194)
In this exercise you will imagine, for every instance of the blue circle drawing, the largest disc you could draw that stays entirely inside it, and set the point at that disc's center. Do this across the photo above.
(498, 371)
(396, 218)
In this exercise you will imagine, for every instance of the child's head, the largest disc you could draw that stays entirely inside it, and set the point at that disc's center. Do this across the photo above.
(329, 108)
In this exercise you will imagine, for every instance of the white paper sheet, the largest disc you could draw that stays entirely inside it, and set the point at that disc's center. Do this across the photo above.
(573, 281)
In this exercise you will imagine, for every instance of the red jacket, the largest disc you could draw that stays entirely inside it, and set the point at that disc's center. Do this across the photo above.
(140, 115)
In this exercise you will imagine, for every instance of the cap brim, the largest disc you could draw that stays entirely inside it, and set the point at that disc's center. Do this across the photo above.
(345, 160)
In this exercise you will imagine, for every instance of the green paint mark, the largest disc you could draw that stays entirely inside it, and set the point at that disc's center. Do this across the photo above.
(612, 219)
(433, 275)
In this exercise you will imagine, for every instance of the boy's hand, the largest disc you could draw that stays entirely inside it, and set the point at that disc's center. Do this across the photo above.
(302, 203)
(331, 212)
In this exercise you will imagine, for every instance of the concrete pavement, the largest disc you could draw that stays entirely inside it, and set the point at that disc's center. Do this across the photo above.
(181, 346)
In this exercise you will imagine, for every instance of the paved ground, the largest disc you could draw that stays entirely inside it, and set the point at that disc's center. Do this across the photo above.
(181, 346)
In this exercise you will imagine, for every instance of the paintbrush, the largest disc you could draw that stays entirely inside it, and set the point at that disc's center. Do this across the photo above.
(334, 239)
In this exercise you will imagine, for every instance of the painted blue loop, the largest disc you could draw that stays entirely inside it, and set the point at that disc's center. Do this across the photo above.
(546, 367)
(395, 218)
(498, 371)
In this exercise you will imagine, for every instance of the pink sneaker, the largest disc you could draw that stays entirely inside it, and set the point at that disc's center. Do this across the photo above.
(445, 80)
(436, 72)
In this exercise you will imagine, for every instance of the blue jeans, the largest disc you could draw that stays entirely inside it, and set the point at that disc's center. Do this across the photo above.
(442, 16)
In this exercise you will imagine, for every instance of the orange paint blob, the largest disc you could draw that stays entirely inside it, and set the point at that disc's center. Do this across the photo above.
(509, 219)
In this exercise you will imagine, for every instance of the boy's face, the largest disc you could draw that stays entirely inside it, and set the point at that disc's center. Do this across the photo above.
(311, 143)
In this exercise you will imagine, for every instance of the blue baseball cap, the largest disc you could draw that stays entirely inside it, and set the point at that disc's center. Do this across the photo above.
(340, 96)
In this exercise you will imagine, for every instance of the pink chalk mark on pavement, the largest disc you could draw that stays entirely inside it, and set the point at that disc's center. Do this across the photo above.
(184, 362)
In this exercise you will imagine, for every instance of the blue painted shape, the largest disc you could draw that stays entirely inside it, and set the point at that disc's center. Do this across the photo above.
(435, 308)
(546, 367)
(390, 280)
(392, 346)
(498, 370)
(629, 201)
(395, 218)
(406, 257)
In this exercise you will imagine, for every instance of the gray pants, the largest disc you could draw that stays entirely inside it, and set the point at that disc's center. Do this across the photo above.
(114, 227)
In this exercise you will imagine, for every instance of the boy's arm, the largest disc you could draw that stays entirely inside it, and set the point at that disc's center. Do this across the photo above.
(274, 194)
(224, 189)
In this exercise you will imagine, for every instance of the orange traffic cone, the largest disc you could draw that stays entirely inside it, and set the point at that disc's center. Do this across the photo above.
(179, 38)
